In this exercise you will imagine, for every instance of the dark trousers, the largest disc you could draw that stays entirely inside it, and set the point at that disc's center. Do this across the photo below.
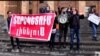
(63, 33)
(12, 42)
(74, 34)
(52, 40)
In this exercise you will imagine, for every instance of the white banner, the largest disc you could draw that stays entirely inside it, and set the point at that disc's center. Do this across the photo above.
(95, 19)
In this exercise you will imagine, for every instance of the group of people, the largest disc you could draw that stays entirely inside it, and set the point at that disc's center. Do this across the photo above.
(73, 22)
(72, 19)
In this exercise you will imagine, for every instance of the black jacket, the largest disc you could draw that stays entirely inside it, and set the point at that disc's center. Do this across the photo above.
(8, 21)
(55, 22)
(74, 21)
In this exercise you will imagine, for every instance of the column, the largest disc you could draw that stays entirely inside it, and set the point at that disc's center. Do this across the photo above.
(82, 5)
(35, 7)
(3, 10)
(25, 7)
(51, 4)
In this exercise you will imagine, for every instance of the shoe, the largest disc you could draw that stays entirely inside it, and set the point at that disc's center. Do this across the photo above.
(77, 49)
(94, 39)
(51, 49)
(71, 48)
(16, 50)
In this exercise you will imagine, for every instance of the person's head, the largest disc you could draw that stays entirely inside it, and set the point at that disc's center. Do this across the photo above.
(75, 11)
(9, 13)
(63, 10)
(93, 10)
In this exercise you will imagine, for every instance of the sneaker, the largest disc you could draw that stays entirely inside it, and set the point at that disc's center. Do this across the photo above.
(94, 39)
(16, 50)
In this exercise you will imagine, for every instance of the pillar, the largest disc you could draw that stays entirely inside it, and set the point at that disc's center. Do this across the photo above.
(25, 7)
(35, 7)
(51, 4)
(3, 10)
(82, 5)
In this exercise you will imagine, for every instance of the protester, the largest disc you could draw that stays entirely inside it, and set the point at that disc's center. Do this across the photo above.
(93, 26)
(63, 27)
(44, 8)
(9, 13)
(52, 40)
(74, 22)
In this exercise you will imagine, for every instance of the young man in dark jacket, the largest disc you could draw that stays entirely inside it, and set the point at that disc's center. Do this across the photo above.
(74, 22)
(11, 37)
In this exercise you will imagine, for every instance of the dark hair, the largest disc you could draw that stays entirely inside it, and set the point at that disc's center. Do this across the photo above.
(8, 12)
(93, 10)
(62, 8)
(76, 11)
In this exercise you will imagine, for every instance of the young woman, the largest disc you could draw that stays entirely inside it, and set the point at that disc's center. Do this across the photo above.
(63, 27)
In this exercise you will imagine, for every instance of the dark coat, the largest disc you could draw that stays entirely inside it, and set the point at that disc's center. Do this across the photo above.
(55, 22)
(74, 21)
(8, 21)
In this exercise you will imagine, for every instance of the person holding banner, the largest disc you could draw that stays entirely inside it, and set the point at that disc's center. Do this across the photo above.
(74, 23)
(52, 40)
(93, 25)
(9, 13)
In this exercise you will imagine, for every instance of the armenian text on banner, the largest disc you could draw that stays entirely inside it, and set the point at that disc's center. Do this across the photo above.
(36, 27)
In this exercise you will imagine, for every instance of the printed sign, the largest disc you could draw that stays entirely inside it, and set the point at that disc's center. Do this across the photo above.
(95, 19)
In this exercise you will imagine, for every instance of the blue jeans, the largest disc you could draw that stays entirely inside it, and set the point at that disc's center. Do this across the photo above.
(94, 30)
(74, 34)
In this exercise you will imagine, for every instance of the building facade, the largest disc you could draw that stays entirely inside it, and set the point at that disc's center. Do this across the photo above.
(32, 7)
